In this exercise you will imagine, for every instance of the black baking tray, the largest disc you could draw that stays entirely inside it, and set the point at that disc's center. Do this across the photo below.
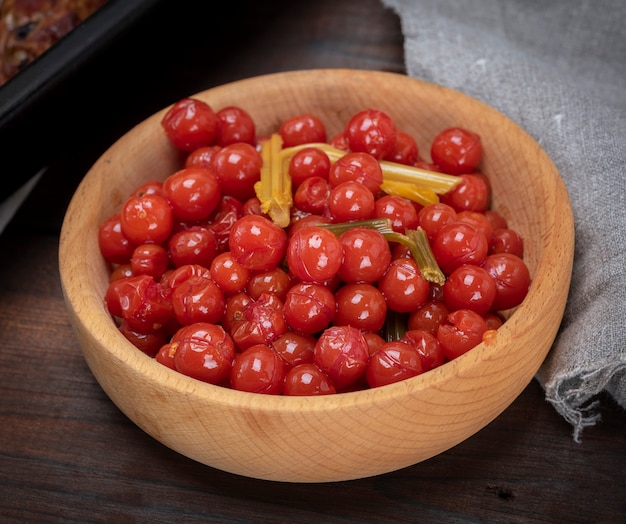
(31, 116)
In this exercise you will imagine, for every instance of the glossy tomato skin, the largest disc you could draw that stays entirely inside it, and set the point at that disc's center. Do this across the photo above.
(357, 167)
(505, 240)
(393, 362)
(366, 255)
(193, 192)
(309, 308)
(140, 301)
(259, 369)
(372, 131)
(229, 275)
(405, 151)
(456, 150)
(427, 346)
(150, 259)
(428, 316)
(302, 129)
(314, 254)
(311, 196)
(193, 245)
(470, 194)
(148, 343)
(198, 299)
(235, 125)
(512, 279)
(190, 124)
(459, 243)
(295, 348)
(307, 380)
(351, 201)
(463, 331)
(147, 218)
(342, 353)
(257, 243)
(202, 157)
(433, 217)
(260, 321)
(403, 286)
(114, 245)
(362, 306)
(399, 210)
(308, 162)
(470, 287)
(203, 351)
(238, 167)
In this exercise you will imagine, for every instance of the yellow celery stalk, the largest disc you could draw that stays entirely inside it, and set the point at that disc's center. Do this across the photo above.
(274, 187)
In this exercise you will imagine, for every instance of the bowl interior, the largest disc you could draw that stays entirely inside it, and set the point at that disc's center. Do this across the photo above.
(351, 435)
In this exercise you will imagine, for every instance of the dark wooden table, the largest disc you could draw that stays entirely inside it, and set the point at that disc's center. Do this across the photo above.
(67, 454)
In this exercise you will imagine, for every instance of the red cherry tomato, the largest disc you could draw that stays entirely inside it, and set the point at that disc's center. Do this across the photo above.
(302, 129)
(275, 281)
(314, 254)
(203, 351)
(478, 220)
(357, 167)
(308, 162)
(295, 348)
(259, 369)
(342, 353)
(307, 380)
(506, 240)
(366, 255)
(114, 245)
(470, 194)
(371, 131)
(463, 331)
(433, 217)
(403, 286)
(150, 259)
(190, 124)
(311, 196)
(512, 278)
(147, 219)
(362, 306)
(428, 317)
(260, 322)
(198, 299)
(202, 157)
(235, 125)
(309, 308)
(399, 210)
(469, 287)
(148, 343)
(456, 150)
(351, 201)
(459, 243)
(229, 275)
(193, 193)
(140, 301)
(238, 168)
(405, 151)
(194, 245)
(257, 243)
(393, 362)
(427, 346)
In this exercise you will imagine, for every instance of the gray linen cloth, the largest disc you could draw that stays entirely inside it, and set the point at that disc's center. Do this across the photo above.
(558, 69)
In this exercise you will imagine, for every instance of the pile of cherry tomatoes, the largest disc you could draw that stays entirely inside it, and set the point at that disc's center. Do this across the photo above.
(203, 280)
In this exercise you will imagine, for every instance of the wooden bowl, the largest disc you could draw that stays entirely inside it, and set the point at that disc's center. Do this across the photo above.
(349, 435)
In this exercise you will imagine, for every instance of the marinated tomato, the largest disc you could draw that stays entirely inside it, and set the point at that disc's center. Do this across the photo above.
(285, 265)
